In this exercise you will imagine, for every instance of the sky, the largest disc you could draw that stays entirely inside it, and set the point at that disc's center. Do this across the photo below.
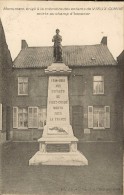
(76, 28)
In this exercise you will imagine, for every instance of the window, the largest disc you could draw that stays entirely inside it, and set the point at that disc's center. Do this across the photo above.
(31, 117)
(22, 86)
(99, 117)
(42, 117)
(22, 118)
(98, 85)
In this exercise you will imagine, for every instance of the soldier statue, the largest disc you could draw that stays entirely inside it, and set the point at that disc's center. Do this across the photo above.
(57, 39)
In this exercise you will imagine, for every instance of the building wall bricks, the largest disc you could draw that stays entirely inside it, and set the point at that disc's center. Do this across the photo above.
(80, 94)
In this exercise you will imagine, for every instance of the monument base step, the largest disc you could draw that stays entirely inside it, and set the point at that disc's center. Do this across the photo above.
(65, 158)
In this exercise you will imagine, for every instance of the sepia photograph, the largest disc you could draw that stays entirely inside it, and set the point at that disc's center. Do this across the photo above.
(61, 97)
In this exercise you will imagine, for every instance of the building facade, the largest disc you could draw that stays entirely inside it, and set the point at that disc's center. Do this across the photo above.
(94, 92)
(5, 87)
(120, 60)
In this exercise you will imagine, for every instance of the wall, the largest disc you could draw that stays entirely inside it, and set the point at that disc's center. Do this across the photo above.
(120, 60)
(80, 94)
(5, 78)
(38, 84)
(84, 97)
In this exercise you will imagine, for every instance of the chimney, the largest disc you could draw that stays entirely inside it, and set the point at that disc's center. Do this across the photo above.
(24, 44)
(104, 41)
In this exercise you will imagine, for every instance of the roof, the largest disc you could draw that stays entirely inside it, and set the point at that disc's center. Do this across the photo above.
(5, 56)
(120, 58)
(86, 55)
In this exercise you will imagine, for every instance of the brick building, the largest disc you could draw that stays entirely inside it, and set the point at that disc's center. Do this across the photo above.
(120, 60)
(94, 92)
(5, 87)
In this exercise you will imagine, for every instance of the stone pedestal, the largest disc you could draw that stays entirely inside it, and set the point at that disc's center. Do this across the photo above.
(58, 129)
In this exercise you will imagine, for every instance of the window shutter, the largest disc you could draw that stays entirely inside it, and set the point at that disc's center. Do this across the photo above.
(107, 116)
(0, 116)
(35, 117)
(15, 117)
(30, 117)
(90, 116)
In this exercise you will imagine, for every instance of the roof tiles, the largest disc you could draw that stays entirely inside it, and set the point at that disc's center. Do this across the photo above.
(87, 55)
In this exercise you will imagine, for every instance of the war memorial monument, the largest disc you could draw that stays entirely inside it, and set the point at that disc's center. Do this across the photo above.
(58, 145)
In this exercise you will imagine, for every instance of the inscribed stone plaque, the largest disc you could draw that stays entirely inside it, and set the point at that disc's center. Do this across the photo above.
(86, 131)
(58, 105)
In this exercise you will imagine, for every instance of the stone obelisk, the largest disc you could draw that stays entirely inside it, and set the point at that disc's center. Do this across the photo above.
(58, 145)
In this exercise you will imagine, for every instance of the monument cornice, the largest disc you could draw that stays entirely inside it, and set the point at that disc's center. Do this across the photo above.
(58, 69)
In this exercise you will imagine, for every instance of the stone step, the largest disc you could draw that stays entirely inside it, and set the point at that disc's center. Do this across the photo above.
(59, 158)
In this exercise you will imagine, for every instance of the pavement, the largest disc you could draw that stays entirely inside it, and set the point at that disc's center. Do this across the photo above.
(123, 173)
(102, 176)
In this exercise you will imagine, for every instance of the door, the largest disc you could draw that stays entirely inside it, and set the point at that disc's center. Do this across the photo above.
(77, 121)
